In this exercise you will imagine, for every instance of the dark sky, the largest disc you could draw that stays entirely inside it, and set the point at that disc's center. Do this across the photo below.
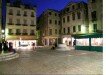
(42, 5)
(51, 4)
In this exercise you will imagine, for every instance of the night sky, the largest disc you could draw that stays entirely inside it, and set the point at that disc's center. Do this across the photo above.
(42, 5)
(51, 4)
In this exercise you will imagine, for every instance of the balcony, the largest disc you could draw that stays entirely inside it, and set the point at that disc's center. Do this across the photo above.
(18, 33)
(10, 13)
(24, 33)
(32, 16)
(25, 15)
(32, 25)
(18, 14)
(25, 25)
(18, 24)
(32, 33)
(10, 33)
(94, 19)
(10, 23)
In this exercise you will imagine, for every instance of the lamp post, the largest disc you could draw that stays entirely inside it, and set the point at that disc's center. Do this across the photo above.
(3, 39)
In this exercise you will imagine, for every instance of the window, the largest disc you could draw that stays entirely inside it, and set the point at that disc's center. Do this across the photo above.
(18, 13)
(25, 21)
(68, 29)
(55, 14)
(73, 7)
(10, 30)
(25, 13)
(63, 20)
(55, 21)
(10, 20)
(24, 31)
(74, 29)
(55, 31)
(58, 22)
(73, 16)
(68, 18)
(32, 22)
(93, 15)
(78, 15)
(59, 31)
(67, 9)
(32, 32)
(18, 32)
(93, 1)
(50, 13)
(32, 14)
(78, 6)
(10, 12)
(50, 21)
(95, 27)
(64, 30)
(79, 27)
(18, 21)
(50, 31)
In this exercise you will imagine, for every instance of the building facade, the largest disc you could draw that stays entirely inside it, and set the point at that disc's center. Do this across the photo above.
(95, 12)
(74, 19)
(0, 20)
(20, 26)
(92, 41)
(49, 26)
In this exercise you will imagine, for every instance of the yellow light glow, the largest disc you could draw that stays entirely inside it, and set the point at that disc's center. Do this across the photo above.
(6, 32)
(83, 29)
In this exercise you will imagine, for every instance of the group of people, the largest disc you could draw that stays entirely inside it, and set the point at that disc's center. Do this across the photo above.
(54, 46)
(6, 47)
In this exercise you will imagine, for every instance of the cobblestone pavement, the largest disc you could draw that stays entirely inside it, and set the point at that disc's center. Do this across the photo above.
(54, 62)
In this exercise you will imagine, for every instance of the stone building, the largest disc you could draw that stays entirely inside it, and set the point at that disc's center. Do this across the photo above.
(95, 12)
(20, 26)
(0, 20)
(49, 26)
(74, 19)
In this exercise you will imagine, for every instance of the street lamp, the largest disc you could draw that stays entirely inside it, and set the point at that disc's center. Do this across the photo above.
(3, 35)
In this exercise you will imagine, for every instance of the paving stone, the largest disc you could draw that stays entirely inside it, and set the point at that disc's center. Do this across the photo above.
(54, 62)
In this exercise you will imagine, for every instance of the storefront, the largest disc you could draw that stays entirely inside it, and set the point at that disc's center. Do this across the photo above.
(22, 43)
(68, 40)
(91, 42)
